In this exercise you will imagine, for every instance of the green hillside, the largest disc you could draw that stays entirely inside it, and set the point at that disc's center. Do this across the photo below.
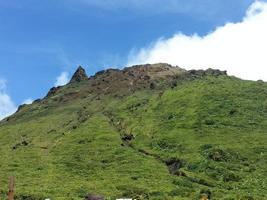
(145, 132)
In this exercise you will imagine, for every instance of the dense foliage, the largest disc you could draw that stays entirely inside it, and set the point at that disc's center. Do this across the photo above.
(200, 138)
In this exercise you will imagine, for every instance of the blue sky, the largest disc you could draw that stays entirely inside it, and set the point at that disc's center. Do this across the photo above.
(39, 39)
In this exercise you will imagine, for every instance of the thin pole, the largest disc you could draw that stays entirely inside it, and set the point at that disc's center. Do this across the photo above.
(11, 188)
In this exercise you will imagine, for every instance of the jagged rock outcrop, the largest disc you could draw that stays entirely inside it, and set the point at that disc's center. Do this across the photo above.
(122, 82)
(53, 91)
(79, 75)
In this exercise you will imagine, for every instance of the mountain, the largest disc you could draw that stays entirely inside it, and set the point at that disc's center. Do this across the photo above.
(145, 132)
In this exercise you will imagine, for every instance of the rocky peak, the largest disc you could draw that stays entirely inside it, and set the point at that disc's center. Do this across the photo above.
(79, 75)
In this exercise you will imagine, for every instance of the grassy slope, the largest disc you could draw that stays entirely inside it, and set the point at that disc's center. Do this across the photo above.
(215, 126)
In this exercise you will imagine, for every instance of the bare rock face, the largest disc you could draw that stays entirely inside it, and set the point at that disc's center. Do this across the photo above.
(153, 71)
(211, 72)
(79, 75)
(122, 82)
(53, 91)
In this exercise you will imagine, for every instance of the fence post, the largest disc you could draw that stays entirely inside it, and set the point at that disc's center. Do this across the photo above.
(11, 188)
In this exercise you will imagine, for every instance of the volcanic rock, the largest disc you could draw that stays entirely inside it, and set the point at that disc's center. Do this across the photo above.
(79, 75)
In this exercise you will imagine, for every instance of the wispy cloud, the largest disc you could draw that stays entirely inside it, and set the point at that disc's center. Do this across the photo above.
(237, 47)
(204, 9)
(166, 5)
(7, 107)
(28, 101)
(63, 58)
(62, 79)
(2, 85)
(148, 5)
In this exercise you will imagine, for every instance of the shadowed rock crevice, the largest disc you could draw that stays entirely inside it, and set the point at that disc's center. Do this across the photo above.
(22, 143)
(94, 197)
(174, 166)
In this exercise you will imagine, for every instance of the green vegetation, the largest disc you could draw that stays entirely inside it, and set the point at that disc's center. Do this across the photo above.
(201, 137)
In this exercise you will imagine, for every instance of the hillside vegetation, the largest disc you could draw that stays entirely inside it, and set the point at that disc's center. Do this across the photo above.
(145, 132)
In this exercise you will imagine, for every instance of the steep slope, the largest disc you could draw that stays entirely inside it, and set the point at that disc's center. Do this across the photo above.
(148, 132)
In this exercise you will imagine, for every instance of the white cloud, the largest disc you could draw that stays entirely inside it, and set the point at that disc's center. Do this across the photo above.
(28, 101)
(240, 48)
(2, 85)
(7, 107)
(62, 79)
